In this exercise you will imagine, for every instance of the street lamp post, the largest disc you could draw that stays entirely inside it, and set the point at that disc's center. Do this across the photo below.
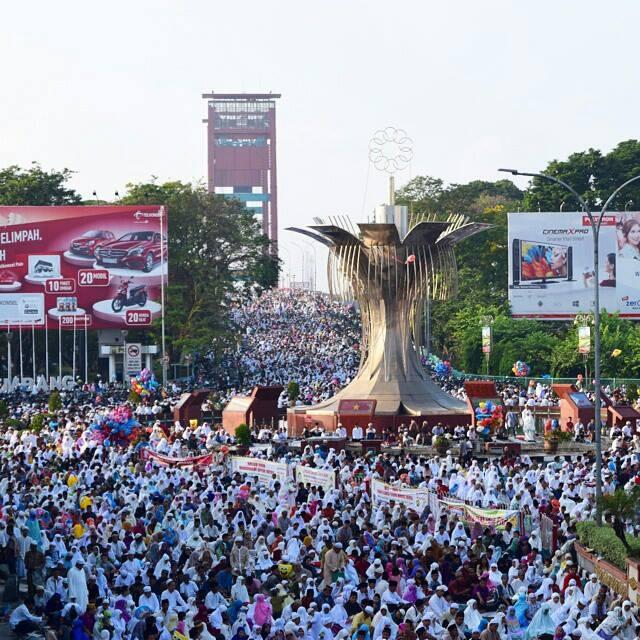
(595, 227)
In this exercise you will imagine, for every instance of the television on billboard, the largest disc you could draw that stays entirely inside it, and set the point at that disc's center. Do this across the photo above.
(551, 267)
(103, 266)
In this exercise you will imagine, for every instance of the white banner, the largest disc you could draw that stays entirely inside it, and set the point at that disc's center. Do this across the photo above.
(316, 477)
(132, 358)
(264, 470)
(414, 498)
(551, 271)
(22, 308)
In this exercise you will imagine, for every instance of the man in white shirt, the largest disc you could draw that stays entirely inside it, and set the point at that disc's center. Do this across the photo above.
(22, 621)
(357, 433)
(176, 603)
(149, 599)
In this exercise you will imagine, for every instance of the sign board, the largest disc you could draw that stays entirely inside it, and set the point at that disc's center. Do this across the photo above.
(411, 497)
(486, 339)
(105, 262)
(551, 269)
(132, 358)
(584, 339)
(325, 478)
(264, 470)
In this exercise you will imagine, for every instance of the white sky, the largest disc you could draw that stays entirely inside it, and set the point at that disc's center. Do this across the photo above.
(112, 90)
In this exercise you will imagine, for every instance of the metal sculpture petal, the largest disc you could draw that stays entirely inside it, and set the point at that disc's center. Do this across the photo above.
(390, 278)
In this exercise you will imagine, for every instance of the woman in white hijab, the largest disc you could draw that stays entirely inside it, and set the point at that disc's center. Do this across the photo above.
(495, 575)
(338, 614)
(612, 625)
(458, 533)
(472, 617)
(545, 588)
(164, 564)
(542, 624)
(264, 561)
(239, 591)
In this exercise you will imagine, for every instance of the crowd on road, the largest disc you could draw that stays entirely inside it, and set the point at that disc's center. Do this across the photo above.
(105, 544)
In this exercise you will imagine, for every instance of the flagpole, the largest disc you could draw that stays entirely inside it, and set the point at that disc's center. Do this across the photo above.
(33, 349)
(73, 366)
(46, 349)
(20, 338)
(60, 348)
(86, 357)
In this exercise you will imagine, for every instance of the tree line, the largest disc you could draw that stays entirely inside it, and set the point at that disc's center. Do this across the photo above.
(217, 250)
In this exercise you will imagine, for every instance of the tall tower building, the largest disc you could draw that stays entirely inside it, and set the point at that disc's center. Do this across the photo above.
(241, 152)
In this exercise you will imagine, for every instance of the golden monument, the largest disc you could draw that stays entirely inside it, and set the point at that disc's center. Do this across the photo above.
(390, 271)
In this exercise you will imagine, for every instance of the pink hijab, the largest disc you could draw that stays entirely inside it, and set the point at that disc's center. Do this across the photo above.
(261, 611)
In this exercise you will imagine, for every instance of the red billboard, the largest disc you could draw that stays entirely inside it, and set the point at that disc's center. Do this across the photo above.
(100, 267)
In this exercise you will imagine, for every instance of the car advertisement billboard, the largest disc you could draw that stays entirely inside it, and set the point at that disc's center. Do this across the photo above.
(100, 267)
(551, 268)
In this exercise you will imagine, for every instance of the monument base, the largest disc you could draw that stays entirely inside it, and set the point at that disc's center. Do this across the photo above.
(300, 417)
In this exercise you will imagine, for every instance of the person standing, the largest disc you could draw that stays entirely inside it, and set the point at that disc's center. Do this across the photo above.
(335, 559)
(77, 585)
(34, 565)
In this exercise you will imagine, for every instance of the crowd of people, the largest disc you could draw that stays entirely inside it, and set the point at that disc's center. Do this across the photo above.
(104, 543)
(131, 535)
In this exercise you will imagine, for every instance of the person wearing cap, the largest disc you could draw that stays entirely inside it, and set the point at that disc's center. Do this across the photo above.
(363, 619)
(149, 599)
(491, 632)
(438, 604)
(333, 563)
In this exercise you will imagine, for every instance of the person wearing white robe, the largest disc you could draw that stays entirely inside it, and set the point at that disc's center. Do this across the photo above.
(592, 587)
(472, 617)
(438, 603)
(528, 425)
(77, 585)
(149, 599)
(239, 591)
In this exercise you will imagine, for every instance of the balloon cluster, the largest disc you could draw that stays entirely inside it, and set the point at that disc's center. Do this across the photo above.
(520, 369)
(145, 383)
(488, 414)
(117, 427)
(443, 369)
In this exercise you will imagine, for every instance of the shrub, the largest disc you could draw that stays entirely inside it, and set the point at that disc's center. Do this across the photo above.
(293, 391)
(4, 410)
(606, 543)
(55, 402)
(243, 435)
(37, 422)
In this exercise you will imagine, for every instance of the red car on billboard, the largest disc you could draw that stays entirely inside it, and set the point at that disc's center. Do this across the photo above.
(89, 241)
(141, 250)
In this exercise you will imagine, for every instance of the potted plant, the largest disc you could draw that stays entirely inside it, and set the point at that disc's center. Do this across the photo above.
(243, 437)
(441, 445)
(551, 440)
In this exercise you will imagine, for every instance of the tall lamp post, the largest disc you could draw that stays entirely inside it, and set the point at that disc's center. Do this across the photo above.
(595, 227)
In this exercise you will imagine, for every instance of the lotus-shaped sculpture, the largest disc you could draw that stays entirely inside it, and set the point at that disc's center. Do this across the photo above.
(390, 278)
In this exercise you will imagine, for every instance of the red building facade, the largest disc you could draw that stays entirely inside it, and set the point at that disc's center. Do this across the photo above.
(241, 152)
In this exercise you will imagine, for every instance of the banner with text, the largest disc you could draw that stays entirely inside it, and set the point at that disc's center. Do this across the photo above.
(411, 497)
(316, 477)
(264, 470)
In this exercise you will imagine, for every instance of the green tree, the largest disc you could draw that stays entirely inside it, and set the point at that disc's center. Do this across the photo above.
(216, 249)
(593, 175)
(35, 186)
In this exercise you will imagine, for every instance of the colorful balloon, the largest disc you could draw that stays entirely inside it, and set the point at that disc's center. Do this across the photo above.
(520, 369)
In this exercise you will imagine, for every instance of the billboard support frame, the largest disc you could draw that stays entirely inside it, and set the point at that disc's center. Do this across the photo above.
(163, 338)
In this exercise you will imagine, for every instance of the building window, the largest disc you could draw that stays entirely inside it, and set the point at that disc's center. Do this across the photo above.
(255, 141)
